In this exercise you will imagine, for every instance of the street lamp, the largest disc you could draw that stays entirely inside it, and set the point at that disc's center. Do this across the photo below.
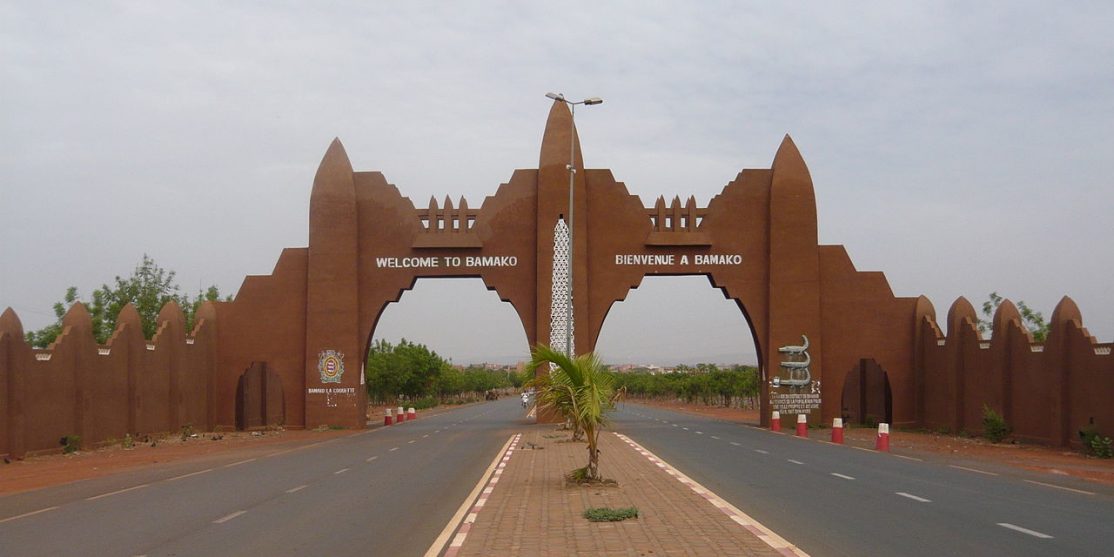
(572, 174)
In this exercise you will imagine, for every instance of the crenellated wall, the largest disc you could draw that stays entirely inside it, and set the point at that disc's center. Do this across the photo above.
(1046, 392)
(103, 392)
(872, 354)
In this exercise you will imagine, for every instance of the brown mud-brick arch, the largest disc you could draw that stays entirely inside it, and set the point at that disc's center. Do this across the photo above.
(305, 329)
(756, 240)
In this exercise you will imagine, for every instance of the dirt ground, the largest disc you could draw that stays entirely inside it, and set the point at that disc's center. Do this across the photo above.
(1050, 460)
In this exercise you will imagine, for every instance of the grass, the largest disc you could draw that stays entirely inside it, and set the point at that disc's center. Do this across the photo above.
(608, 514)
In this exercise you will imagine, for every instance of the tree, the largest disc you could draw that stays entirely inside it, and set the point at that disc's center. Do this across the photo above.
(1034, 320)
(149, 288)
(581, 391)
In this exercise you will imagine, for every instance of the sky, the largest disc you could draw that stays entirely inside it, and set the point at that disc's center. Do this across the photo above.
(961, 148)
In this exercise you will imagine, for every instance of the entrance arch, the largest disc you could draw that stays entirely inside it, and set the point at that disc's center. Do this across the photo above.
(756, 241)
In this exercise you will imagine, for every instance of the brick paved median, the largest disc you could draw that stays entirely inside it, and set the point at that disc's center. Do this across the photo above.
(531, 513)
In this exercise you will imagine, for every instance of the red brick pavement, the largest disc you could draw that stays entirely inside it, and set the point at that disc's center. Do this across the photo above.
(531, 512)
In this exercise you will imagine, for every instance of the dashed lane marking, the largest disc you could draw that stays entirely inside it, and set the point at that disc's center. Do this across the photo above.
(393, 449)
(761, 451)
(25, 515)
(714, 437)
(341, 471)
(736, 444)
(700, 433)
(794, 461)
(183, 476)
(410, 441)
(117, 492)
(909, 457)
(1071, 489)
(239, 463)
(226, 518)
(844, 476)
(296, 489)
(371, 458)
(1017, 528)
(975, 470)
(913, 497)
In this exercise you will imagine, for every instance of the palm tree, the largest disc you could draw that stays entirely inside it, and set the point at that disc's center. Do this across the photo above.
(579, 390)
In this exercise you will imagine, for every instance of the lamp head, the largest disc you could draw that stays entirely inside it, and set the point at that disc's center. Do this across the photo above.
(593, 100)
(556, 96)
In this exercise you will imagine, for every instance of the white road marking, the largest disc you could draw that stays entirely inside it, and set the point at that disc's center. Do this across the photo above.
(909, 457)
(1033, 533)
(685, 428)
(32, 513)
(972, 470)
(736, 444)
(761, 451)
(1072, 489)
(716, 438)
(371, 458)
(424, 436)
(393, 450)
(674, 425)
(239, 463)
(838, 475)
(913, 497)
(132, 488)
(341, 471)
(410, 441)
(296, 489)
(224, 519)
(700, 433)
(198, 473)
(794, 461)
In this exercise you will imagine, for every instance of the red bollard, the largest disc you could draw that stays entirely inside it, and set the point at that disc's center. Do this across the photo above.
(401, 415)
(882, 443)
(837, 431)
(412, 414)
(802, 425)
(388, 417)
(775, 421)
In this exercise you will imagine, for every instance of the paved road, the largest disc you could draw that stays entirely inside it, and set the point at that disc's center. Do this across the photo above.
(387, 491)
(835, 500)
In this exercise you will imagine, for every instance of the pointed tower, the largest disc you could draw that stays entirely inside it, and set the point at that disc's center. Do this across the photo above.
(794, 287)
(333, 367)
(561, 140)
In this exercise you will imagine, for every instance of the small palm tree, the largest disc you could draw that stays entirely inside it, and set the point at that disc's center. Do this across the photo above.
(581, 391)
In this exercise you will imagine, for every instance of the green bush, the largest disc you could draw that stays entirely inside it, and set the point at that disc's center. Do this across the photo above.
(607, 514)
(70, 443)
(1095, 444)
(994, 425)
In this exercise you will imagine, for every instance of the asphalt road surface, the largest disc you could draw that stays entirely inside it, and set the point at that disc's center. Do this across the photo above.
(387, 491)
(835, 500)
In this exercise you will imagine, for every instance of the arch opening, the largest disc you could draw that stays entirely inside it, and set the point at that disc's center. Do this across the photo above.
(684, 324)
(459, 321)
(867, 399)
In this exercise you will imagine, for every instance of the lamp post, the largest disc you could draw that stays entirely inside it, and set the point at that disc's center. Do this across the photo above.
(572, 175)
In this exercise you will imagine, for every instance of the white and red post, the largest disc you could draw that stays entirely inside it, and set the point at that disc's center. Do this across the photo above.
(412, 414)
(388, 417)
(401, 414)
(837, 431)
(882, 443)
(802, 425)
(775, 421)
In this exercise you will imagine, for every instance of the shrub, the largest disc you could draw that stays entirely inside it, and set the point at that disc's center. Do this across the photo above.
(1095, 444)
(187, 431)
(129, 441)
(607, 514)
(70, 443)
(994, 425)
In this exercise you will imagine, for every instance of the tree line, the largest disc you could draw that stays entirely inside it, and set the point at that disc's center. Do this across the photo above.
(413, 372)
(734, 386)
